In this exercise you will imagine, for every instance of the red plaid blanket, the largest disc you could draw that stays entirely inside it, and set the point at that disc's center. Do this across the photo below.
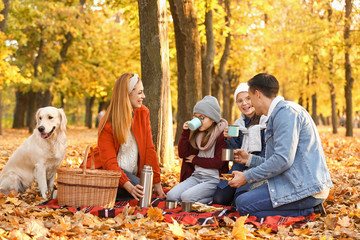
(191, 218)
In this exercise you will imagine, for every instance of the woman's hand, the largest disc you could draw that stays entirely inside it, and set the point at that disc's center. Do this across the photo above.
(241, 156)
(226, 130)
(185, 126)
(189, 158)
(135, 191)
(158, 190)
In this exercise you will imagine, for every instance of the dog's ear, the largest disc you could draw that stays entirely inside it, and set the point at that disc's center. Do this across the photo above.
(63, 119)
(37, 116)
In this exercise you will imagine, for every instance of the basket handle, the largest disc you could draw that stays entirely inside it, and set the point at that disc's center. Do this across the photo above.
(86, 157)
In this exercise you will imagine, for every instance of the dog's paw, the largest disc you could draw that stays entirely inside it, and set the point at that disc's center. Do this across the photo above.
(44, 195)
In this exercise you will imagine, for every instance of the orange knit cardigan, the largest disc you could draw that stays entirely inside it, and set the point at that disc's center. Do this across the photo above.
(106, 152)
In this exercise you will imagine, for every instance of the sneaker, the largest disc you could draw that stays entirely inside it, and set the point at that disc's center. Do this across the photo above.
(319, 209)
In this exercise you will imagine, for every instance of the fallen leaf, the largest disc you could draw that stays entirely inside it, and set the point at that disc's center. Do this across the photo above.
(17, 234)
(239, 231)
(155, 214)
(283, 231)
(13, 200)
(265, 231)
(344, 222)
(36, 228)
(176, 229)
(330, 222)
(302, 232)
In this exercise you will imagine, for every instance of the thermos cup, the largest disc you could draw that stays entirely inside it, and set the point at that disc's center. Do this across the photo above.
(194, 124)
(146, 180)
(227, 154)
(186, 206)
(170, 204)
(233, 130)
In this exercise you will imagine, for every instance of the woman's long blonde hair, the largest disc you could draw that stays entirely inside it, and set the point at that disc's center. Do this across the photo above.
(119, 112)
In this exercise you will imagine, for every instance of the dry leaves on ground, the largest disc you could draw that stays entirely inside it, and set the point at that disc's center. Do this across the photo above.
(21, 219)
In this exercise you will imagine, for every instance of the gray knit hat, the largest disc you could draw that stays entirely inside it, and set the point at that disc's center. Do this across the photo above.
(209, 106)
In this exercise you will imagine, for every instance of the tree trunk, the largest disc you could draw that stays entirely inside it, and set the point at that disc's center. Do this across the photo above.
(216, 86)
(20, 110)
(233, 82)
(5, 13)
(207, 61)
(32, 106)
(188, 59)
(31, 110)
(89, 102)
(102, 106)
(301, 99)
(226, 99)
(62, 101)
(349, 81)
(155, 74)
(63, 52)
(44, 99)
(307, 98)
(314, 79)
(314, 109)
(334, 120)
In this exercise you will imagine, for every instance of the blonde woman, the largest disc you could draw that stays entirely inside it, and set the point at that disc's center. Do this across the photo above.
(124, 138)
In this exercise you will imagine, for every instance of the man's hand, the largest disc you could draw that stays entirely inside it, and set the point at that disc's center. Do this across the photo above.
(241, 156)
(238, 180)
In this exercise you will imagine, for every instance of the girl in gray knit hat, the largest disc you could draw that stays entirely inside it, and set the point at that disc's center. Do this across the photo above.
(201, 151)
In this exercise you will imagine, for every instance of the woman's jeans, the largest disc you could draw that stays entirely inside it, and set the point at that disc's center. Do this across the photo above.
(257, 203)
(122, 194)
(196, 188)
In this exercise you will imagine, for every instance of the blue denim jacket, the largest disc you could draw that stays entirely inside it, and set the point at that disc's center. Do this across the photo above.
(295, 164)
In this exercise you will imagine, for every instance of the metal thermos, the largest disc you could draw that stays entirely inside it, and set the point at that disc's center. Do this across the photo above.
(146, 180)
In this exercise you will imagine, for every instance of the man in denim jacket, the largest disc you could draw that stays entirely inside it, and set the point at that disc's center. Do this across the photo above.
(294, 167)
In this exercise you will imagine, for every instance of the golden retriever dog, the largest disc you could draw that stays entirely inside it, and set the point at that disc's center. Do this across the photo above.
(39, 155)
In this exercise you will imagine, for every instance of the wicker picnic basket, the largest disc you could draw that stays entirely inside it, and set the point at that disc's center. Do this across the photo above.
(87, 187)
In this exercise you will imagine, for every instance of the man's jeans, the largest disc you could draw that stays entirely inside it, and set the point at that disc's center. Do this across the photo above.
(257, 203)
(122, 194)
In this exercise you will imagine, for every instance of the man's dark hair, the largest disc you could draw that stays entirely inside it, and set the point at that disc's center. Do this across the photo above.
(265, 83)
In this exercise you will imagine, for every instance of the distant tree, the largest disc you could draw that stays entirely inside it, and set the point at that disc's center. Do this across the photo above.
(334, 120)
(230, 84)
(4, 12)
(221, 74)
(89, 102)
(349, 80)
